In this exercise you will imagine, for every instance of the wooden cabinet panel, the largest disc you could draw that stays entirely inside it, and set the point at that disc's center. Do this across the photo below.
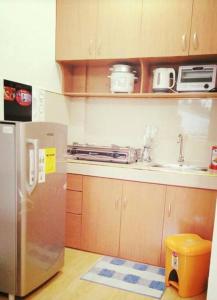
(73, 231)
(73, 201)
(89, 29)
(76, 29)
(132, 219)
(188, 210)
(73, 211)
(203, 30)
(142, 221)
(118, 29)
(74, 182)
(101, 215)
(165, 27)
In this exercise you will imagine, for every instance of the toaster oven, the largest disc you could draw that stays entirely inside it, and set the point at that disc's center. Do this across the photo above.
(197, 78)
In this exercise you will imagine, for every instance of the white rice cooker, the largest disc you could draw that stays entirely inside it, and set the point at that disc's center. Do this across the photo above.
(122, 78)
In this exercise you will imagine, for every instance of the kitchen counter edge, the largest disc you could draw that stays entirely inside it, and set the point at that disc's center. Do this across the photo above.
(136, 172)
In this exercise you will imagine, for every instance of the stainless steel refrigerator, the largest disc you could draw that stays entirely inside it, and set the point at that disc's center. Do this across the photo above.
(32, 203)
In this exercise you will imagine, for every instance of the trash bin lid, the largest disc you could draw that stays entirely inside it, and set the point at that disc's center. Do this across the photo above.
(188, 244)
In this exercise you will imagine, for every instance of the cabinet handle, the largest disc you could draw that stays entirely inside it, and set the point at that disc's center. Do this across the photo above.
(169, 210)
(98, 48)
(125, 203)
(195, 41)
(116, 203)
(90, 48)
(184, 44)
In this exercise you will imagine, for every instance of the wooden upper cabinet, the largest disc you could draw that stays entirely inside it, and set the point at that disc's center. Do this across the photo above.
(91, 29)
(142, 221)
(165, 27)
(204, 27)
(118, 28)
(75, 29)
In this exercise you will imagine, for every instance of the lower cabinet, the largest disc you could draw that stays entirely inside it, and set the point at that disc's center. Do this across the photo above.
(132, 219)
(122, 218)
(101, 215)
(142, 221)
(188, 210)
(73, 211)
(73, 230)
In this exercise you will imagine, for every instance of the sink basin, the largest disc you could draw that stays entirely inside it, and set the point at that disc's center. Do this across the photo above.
(180, 167)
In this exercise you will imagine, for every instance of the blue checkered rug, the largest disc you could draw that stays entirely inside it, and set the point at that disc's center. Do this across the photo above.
(128, 275)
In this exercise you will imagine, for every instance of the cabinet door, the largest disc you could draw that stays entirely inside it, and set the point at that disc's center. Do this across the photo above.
(142, 222)
(73, 202)
(101, 215)
(73, 230)
(118, 28)
(188, 210)
(74, 182)
(75, 29)
(165, 27)
(204, 24)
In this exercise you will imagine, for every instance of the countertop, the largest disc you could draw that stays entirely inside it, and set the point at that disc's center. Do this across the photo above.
(144, 173)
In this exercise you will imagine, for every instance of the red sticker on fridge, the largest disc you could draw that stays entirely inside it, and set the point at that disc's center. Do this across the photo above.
(9, 93)
(23, 97)
(17, 101)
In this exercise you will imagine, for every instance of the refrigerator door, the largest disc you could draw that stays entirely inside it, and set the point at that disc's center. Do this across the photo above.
(7, 208)
(41, 208)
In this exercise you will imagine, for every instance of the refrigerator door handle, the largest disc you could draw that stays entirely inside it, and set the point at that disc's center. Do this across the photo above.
(33, 165)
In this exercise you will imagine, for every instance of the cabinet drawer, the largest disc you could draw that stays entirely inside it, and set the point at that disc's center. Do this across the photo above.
(73, 202)
(73, 231)
(74, 182)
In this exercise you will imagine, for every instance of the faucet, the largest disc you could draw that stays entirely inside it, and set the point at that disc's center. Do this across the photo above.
(181, 155)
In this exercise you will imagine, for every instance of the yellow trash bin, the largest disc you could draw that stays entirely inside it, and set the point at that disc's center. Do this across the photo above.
(187, 263)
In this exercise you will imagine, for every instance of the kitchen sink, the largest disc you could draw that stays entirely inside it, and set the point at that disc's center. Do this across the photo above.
(179, 167)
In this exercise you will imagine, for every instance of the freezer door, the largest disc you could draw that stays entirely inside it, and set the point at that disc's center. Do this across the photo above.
(42, 183)
(7, 208)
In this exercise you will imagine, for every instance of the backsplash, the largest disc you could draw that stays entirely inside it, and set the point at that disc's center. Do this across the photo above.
(123, 122)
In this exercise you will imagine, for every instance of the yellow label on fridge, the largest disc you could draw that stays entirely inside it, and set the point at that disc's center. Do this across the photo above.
(50, 160)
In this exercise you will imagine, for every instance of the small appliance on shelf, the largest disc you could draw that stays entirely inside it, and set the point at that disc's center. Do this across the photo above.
(164, 79)
(197, 78)
(122, 78)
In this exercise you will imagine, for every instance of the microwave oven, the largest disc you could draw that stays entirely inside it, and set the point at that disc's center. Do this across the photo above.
(197, 78)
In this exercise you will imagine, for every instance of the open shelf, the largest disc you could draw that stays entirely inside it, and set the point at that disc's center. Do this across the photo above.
(91, 78)
(175, 95)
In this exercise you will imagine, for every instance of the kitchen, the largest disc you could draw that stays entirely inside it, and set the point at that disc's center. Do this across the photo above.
(125, 119)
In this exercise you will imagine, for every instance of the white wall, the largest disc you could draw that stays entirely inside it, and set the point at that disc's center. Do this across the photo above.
(27, 47)
(122, 122)
(61, 109)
